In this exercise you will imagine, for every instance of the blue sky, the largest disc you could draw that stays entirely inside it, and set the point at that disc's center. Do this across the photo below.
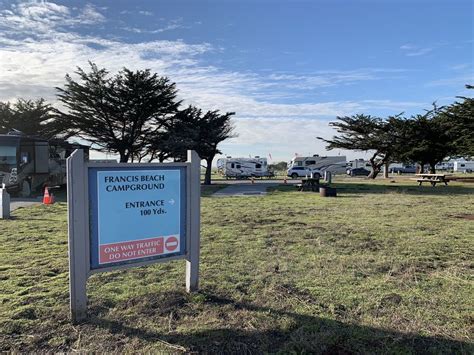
(286, 68)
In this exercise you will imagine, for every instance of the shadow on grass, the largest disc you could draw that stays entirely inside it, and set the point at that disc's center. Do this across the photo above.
(368, 188)
(307, 334)
(208, 190)
(404, 189)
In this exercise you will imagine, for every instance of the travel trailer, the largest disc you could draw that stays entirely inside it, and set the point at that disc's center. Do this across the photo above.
(30, 163)
(359, 163)
(464, 166)
(334, 164)
(445, 165)
(243, 168)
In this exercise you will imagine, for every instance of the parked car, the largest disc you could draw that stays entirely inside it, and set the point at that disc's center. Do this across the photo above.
(301, 171)
(358, 172)
(407, 169)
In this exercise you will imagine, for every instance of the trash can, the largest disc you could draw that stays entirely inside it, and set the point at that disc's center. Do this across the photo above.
(326, 191)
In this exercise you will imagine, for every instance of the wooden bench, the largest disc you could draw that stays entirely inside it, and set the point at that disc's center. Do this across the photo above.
(432, 182)
(433, 179)
(309, 184)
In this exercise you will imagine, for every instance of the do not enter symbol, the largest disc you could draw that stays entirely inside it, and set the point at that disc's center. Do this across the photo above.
(171, 243)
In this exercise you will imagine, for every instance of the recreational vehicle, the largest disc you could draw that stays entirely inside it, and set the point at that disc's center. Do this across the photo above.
(445, 165)
(359, 163)
(464, 166)
(243, 168)
(30, 163)
(334, 164)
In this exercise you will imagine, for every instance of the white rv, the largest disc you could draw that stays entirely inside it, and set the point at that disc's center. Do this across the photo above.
(464, 166)
(359, 163)
(334, 164)
(243, 168)
(447, 165)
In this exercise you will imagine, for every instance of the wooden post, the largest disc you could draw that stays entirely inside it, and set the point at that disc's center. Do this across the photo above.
(78, 234)
(192, 259)
(4, 203)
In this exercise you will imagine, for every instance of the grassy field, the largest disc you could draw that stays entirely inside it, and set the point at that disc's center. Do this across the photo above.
(385, 267)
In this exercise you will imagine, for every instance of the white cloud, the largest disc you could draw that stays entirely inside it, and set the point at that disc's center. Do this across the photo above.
(460, 66)
(282, 138)
(90, 16)
(169, 27)
(457, 82)
(411, 50)
(145, 13)
(39, 44)
(172, 25)
(39, 19)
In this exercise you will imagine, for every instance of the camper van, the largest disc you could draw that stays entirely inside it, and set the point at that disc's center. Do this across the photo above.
(243, 168)
(464, 166)
(334, 164)
(30, 163)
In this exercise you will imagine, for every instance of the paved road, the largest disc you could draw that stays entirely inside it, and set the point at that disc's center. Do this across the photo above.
(245, 189)
(17, 202)
(256, 181)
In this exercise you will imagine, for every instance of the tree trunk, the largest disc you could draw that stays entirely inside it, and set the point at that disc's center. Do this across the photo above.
(207, 177)
(375, 171)
(385, 171)
(123, 157)
(432, 168)
(422, 168)
(375, 167)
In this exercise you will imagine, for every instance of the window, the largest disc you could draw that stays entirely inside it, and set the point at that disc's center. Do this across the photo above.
(258, 166)
(299, 163)
(238, 166)
(298, 168)
(25, 158)
(232, 165)
(7, 157)
(310, 162)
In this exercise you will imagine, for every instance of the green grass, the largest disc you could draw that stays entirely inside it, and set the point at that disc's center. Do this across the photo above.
(385, 267)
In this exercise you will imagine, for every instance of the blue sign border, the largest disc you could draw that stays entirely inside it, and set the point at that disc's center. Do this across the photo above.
(93, 214)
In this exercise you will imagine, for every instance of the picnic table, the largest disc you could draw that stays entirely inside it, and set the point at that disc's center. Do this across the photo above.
(433, 179)
(309, 184)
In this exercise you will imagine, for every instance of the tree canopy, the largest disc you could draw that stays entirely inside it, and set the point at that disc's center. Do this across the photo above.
(368, 133)
(459, 120)
(117, 113)
(191, 128)
(427, 139)
(424, 138)
(31, 117)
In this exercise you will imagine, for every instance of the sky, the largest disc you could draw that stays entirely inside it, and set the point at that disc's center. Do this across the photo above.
(286, 68)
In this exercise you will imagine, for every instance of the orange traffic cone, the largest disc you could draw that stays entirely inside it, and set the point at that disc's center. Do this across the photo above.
(47, 200)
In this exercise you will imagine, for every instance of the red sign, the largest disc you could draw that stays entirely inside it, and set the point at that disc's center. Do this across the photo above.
(137, 249)
(171, 244)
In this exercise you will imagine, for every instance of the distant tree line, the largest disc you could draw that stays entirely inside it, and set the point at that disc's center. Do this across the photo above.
(426, 139)
(134, 114)
(31, 117)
